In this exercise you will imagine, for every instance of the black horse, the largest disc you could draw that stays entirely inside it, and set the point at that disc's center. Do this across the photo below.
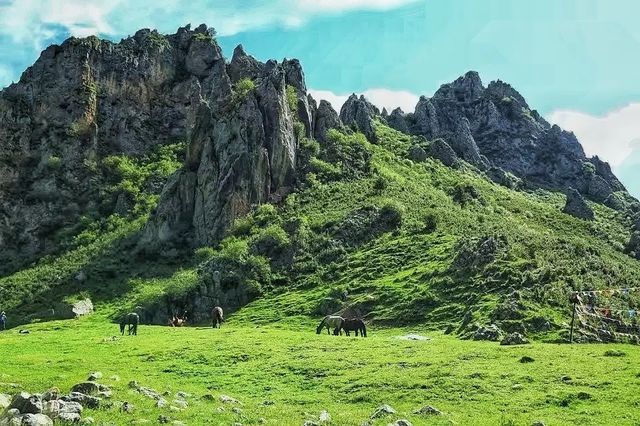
(132, 320)
(354, 324)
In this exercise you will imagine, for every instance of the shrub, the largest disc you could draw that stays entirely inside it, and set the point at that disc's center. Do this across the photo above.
(292, 99)
(54, 163)
(242, 89)
(390, 216)
(380, 184)
(270, 242)
(203, 254)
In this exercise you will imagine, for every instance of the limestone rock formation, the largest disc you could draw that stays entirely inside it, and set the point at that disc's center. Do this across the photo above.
(84, 100)
(238, 156)
(494, 126)
(325, 118)
(358, 113)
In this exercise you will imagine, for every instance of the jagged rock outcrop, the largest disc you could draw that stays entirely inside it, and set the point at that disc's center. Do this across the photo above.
(577, 206)
(494, 126)
(84, 100)
(325, 118)
(358, 114)
(238, 156)
(440, 150)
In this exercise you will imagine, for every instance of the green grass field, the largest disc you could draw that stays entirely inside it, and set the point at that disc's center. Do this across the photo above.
(301, 374)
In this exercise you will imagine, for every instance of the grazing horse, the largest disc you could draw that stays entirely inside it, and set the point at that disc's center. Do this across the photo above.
(330, 321)
(354, 324)
(132, 320)
(178, 321)
(218, 317)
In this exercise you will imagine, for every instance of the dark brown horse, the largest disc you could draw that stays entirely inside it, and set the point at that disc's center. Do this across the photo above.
(132, 320)
(218, 317)
(354, 324)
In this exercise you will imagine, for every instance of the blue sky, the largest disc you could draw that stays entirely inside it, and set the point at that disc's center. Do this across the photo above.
(576, 61)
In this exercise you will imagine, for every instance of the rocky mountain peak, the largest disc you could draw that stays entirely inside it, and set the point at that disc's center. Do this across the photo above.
(466, 88)
(358, 113)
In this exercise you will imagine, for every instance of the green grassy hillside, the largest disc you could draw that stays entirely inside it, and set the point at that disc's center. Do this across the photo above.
(286, 374)
(370, 232)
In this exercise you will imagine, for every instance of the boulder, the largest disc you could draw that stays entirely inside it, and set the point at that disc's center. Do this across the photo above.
(89, 388)
(84, 400)
(69, 417)
(36, 420)
(27, 403)
(491, 332)
(383, 410)
(417, 153)
(514, 339)
(428, 410)
(5, 401)
(576, 206)
(440, 150)
(94, 376)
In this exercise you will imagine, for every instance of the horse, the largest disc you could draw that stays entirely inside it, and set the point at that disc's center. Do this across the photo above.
(132, 320)
(176, 321)
(330, 321)
(218, 316)
(354, 324)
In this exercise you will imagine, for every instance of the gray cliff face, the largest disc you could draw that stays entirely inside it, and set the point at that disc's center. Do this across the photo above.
(239, 156)
(494, 127)
(82, 101)
(325, 118)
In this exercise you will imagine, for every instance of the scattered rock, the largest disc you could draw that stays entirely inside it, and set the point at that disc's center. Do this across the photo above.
(538, 423)
(162, 419)
(89, 388)
(401, 422)
(95, 376)
(180, 403)
(5, 401)
(36, 420)
(383, 410)
(526, 359)
(85, 400)
(183, 395)
(27, 403)
(228, 400)
(69, 417)
(491, 332)
(310, 423)
(267, 402)
(325, 417)
(413, 337)
(161, 403)
(514, 339)
(428, 410)
(127, 407)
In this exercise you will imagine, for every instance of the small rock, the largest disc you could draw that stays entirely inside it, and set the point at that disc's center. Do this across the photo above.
(85, 400)
(162, 419)
(401, 422)
(428, 410)
(208, 397)
(220, 409)
(228, 400)
(310, 423)
(115, 378)
(262, 420)
(237, 410)
(89, 388)
(127, 407)
(178, 423)
(69, 417)
(133, 384)
(161, 403)
(267, 402)
(514, 339)
(517, 386)
(104, 394)
(526, 359)
(325, 417)
(23, 331)
(36, 420)
(5, 401)
(490, 332)
(96, 375)
(174, 408)
(538, 423)
(180, 403)
(383, 410)
(183, 395)
(70, 407)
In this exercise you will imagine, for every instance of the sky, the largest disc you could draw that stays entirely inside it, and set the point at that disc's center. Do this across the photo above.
(575, 61)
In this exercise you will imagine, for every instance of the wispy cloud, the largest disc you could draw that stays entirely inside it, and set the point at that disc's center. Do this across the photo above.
(612, 137)
(382, 98)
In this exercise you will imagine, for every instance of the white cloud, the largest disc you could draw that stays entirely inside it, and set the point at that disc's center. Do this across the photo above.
(382, 98)
(612, 137)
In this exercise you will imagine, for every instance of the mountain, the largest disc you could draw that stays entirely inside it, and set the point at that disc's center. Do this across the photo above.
(154, 173)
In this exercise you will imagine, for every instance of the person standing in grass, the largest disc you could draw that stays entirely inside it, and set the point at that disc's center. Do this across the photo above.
(3, 321)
